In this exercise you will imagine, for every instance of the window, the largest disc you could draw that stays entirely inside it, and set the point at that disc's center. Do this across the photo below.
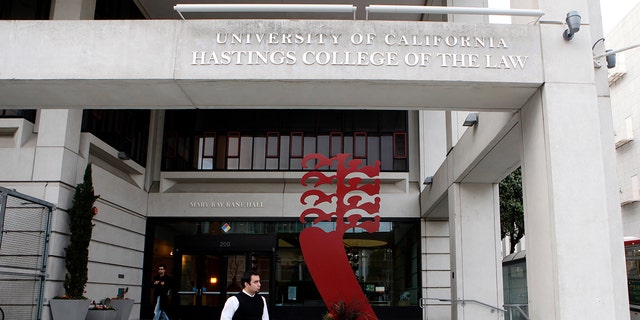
(399, 145)
(206, 151)
(385, 263)
(335, 143)
(360, 145)
(272, 153)
(296, 145)
(127, 131)
(233, 150)
(279, 139)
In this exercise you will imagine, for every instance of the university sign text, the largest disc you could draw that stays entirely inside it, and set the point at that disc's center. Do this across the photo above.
(358, 49)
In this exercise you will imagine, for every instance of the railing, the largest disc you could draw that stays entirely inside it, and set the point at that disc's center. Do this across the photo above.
(347, 8)
(462, 302)
(309, 8)
(519, 307)
(452, 10)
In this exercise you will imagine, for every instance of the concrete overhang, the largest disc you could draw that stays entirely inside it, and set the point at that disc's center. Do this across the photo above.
(484, 154)
(268, 64)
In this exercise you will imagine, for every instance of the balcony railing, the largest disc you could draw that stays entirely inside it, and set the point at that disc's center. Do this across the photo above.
(347, 8)
(452, 10)
(309, 8)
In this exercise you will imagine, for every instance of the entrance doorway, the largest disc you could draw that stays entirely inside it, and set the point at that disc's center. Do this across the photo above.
(208, 270)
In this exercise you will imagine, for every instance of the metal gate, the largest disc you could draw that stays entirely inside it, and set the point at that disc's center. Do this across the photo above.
(24, 241)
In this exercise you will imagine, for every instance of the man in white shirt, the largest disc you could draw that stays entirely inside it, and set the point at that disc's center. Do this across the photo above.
(248, 304)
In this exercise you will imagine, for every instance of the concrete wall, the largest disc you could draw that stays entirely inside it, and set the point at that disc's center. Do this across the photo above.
(117, 246)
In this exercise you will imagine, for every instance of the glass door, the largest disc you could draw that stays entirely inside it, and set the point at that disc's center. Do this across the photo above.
(208, 279)
(199, 292)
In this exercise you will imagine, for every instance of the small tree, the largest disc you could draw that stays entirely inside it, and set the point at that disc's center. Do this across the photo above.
(511, 208)
(80, 227)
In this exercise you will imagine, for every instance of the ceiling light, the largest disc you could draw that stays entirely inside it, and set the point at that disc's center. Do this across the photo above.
(471, 119)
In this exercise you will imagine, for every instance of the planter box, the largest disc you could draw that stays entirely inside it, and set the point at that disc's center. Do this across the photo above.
(69, 309)
(123, 308)
(101, 315)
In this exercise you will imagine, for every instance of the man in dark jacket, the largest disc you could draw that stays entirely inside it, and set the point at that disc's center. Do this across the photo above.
(161, 289)
(248, 304)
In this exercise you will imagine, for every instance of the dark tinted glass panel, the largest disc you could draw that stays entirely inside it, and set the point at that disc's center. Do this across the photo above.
(367, 121)
(386, 263)
(25, 9)
(393, 121)
(329, 121)
(126, 131)
(29, 115)
(116, 10)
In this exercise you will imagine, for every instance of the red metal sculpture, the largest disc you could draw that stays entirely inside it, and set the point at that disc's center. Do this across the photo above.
(323, 251)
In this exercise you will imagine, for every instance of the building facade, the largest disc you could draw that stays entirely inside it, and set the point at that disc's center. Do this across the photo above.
(196, 129)
(625, 118)
(623, 77)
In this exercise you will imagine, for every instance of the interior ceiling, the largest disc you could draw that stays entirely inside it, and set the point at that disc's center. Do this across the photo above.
(163, 9)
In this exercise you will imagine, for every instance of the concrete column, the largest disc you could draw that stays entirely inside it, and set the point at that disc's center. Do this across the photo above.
(570, 272)
(57, 145)
(154, 149)
(433, 138)
(73, 9)
(436, 270)
(575, 269)
(476, 262)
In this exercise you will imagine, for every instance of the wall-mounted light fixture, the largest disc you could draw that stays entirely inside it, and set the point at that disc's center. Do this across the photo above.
(611, 59)
(428, 180)
(471, 119)
(573, 25)
(611, 55)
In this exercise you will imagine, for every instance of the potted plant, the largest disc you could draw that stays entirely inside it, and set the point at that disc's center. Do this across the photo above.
(102, 310)
(122, 304)
(77, 253)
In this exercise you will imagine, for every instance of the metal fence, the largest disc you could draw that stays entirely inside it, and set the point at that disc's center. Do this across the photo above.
(24, 240)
